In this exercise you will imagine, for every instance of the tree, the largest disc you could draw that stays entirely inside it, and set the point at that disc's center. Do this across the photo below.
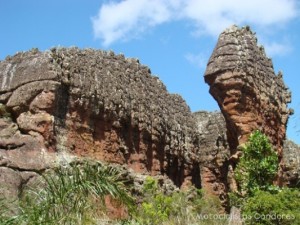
(258, 165)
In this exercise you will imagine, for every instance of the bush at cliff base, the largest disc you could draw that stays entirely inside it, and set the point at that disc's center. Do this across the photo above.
(258, 165)
(266, 208)
(192, 206)
(72, 194)
(260, 201)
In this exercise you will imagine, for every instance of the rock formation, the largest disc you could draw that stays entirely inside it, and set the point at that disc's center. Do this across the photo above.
(214, 154)
(95, 104)
(291, 164)
(250, 95)
(66, 102)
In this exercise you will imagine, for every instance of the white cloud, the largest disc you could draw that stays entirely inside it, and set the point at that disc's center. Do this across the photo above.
(198, 60)
(277, 49)
(276, 46)
(214, 16)
(129, 18)
(121, 20)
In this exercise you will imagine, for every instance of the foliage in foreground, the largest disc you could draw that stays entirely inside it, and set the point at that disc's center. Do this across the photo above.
(179, 208)
(258, 165)
(75, 195)
(260, 201)
(72, 195)
(266, 208)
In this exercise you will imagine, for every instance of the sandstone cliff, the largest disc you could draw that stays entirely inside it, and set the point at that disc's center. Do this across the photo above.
(242, 80)
(215, 153)
(291, 164)
(66, 102)
(95, 104)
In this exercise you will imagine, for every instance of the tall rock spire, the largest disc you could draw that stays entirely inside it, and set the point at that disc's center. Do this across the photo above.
(242, 80)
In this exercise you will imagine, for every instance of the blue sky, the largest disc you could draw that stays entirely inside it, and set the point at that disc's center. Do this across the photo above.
(173, 37)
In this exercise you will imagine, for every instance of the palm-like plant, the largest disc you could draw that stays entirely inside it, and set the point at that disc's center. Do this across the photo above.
(74, 194)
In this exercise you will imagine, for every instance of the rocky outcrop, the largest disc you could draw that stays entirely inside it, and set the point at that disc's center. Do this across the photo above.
(214, 154)
(250, 95)
(243, 82)
(291, 163)
(23, 157)
(65, 103)
(93, 104)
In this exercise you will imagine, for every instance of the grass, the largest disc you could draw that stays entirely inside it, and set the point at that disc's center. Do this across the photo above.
(74, 194)
(77, 194)
(179, 208)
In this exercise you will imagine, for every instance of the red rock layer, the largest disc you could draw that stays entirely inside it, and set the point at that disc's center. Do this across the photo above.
(242, 80)
(96, 104)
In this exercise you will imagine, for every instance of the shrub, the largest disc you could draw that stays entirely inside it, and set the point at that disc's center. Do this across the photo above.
(260, 201)
(5, 214)
(179, 208)
(156, 206)
(267, 208)
(258, 165)
(73, 195)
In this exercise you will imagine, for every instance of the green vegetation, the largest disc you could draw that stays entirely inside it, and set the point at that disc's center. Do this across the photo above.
(179, 208)
(74, 194)
(266, 208)
(5, 214)
(258, 165)
(260, 201)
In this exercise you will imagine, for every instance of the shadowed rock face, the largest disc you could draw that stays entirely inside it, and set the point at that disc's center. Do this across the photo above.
(215, 153)
(69, 102)
(250, 95)
(95, 104)
(291, 163)
(104, 106)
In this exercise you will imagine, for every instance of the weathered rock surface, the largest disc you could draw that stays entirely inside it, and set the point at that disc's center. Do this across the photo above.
(12, 183)
(291, 163)
(214, 154)
(87, 103)
(95, 104)
(243, 82)
(23, 152)
(250, 95)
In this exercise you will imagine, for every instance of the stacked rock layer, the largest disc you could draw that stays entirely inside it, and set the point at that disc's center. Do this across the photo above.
(93, 104)
(242, 80)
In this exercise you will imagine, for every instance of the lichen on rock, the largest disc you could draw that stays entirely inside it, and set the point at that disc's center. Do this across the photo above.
(66, 103)
(250, 95)
(243, 82)
(96, 104)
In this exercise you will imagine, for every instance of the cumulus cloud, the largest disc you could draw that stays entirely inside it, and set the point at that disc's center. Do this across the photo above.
(198, 60)
(127, 19)
(213, 16)
(277, 49)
